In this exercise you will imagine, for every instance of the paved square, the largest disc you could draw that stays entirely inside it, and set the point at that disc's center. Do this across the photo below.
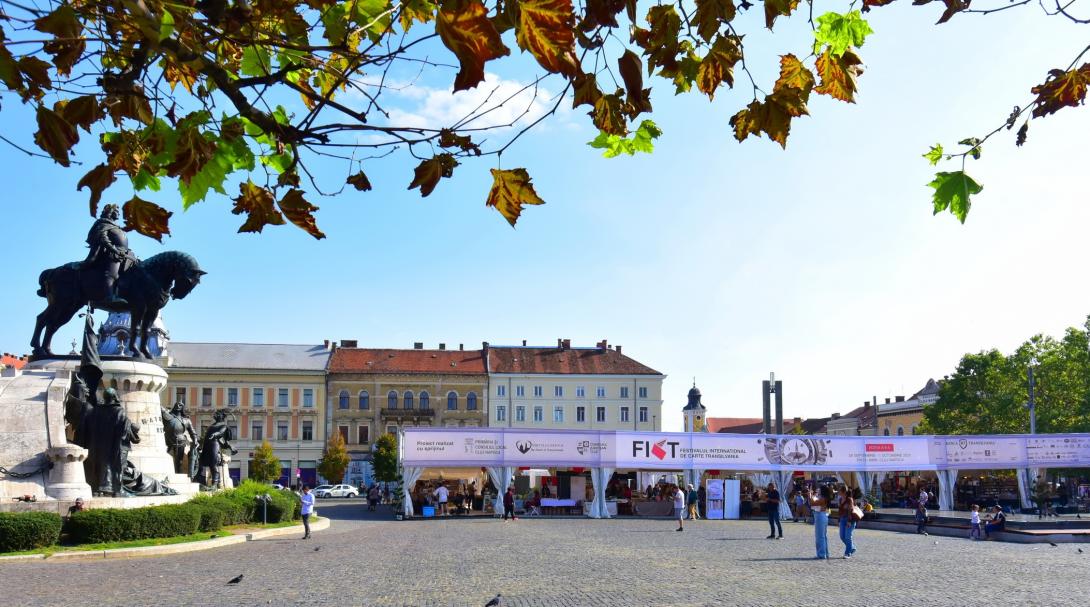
(567, 562)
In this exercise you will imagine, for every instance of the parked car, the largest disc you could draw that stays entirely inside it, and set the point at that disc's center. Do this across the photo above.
(336, 491)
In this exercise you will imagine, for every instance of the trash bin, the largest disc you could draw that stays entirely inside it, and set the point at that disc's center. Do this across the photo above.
(428, 511)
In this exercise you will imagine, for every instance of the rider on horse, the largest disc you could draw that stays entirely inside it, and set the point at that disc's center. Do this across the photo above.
(109, 257)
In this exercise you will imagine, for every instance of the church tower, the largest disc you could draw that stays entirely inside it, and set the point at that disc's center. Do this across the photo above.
(113, 335)
(694, 412)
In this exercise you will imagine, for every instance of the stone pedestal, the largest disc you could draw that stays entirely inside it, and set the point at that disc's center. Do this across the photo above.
(66, 479)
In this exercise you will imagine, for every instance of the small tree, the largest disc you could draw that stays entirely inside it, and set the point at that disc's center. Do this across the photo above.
(265, 465)
(334, 459)
(385, 458)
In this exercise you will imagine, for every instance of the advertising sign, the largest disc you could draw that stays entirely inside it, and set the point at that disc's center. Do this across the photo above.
(714, 499)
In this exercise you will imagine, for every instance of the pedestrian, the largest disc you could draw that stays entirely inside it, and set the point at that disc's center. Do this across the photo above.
(509, 504)
(819, 506)
(800, 506)
(921, 517)
(772, 505)
(693, 499)
(79, 506)
(374, 497)
(924, 496)
(847, 525)
(974, 523)
(679, 507)
(702, 500)
(307, 509)
(998, 522)
(442, 494)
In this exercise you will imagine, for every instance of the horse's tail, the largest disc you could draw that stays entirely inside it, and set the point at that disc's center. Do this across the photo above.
(43, 278)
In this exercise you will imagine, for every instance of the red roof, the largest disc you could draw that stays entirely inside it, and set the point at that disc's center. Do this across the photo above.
(755, 427)
(717, 424)
(378, 360)
(564, 361)
(10, 360)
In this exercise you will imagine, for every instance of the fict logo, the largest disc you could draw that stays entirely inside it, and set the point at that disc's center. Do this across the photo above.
(524, 446)
(642, 448)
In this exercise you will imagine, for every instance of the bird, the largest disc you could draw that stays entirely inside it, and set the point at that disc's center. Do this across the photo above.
(1080, 550)
(235, 580)
(1053, 544)
(497, 601)
(936, 542)
(317, 548)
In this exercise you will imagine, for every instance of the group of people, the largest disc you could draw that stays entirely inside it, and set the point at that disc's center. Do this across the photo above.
(443, 498)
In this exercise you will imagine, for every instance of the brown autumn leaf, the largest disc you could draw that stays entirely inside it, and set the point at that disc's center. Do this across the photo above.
(258, 203)
(146, 218)
(360, 182)
(952, 8)
(546, 29)
(711, 15)
(778, 8)
(428, 173)
(83, 112)
(608, 115)
(660, 44)
(601, 13)
(412, 11)
(586, 90)
(9, 69)
(464, 28)
(67, 45)
(747, 121)
(510, 190)
(838, 74)
(1062, 89)
(35, 77)
(55, 135)
(868, 4)
(768, 117)
(97, 180)
(717, 66)
(180, 73)
(450, 139)
(1020, 137)
(135, 107)
(793, 74)
(631, 68)
(192, 153)
(300, 212)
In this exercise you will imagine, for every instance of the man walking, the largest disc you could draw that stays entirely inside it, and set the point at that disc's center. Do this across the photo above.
(509, 504)
(772, 504)
(307, 509)
(693, 498)
(442, 493)
(679, 507)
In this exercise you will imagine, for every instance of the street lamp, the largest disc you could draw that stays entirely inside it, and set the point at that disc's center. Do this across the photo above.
(1032, 403)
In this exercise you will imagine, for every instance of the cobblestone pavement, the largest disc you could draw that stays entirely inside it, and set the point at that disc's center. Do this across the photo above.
(566, 562)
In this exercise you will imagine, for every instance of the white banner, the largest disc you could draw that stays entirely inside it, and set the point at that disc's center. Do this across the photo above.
(685, 451)
(714, 499)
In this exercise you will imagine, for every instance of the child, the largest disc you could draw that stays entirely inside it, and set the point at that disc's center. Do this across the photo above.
(921, 518)
(974, 523)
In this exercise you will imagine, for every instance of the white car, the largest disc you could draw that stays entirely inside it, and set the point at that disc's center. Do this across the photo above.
(336, 491)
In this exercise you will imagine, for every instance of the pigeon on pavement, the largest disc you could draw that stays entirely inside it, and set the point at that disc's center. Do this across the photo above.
(497, 601)
(235, 580)
(1053, 544)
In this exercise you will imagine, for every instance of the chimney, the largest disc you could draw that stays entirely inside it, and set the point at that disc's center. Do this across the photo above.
(348, 343)
(567, 344)
(836, 416)
(442, 346)
(461, 347)
(887, 401)
(900, 399)
(325, 344)
(618, 349)
(559, 343)
(484, 349)
(866, 405)
(418, 345)
(603, 344)
(524, 343)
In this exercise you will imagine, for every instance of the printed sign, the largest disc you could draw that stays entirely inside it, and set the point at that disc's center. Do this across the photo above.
(714, 498)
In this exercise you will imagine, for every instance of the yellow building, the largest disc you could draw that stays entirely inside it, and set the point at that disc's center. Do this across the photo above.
(903, 417)
(273, 392)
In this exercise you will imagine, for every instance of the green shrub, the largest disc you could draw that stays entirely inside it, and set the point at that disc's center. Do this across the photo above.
(119, 525)
(211, 517)
(28, 530)
(233, 512)
(282, 505)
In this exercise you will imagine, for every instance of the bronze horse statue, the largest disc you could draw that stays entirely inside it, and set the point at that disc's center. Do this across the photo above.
(146, 286)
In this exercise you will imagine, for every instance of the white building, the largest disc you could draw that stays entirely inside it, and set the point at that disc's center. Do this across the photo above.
(595, 388)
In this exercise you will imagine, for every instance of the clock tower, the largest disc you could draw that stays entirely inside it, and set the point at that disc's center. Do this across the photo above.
(694, 411)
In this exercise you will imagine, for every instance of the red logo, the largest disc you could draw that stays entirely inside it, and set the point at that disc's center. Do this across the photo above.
(657, 450)
(881, 447)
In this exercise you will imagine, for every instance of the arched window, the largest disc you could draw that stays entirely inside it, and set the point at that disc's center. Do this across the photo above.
(452, 401)
(425, 400)
(471, 401)
(342, 400)
(886, 432)
(408, 399)
(391, 400)
(365, 400)
(914, 429)
(900, 430)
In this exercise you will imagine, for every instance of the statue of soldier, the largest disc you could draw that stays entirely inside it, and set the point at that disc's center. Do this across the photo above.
(181, 438)
(110, 436)
(217, 438)
(108, 258)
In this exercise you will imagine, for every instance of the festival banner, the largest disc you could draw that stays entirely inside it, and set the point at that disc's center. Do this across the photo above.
(714, 499)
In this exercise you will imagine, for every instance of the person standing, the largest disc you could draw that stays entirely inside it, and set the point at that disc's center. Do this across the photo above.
(509, 504)
(800, 506)
(974, 523)
(847, 525)
(307, 510)
(921, 517)
(693, 498)
(702, 501)
(679, 507)
(442, 494)
(819, 507)
(772, 505)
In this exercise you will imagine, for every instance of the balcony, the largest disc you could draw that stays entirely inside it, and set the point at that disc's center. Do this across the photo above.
(407, 413)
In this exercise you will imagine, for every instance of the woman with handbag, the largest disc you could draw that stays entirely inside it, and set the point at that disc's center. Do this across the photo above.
(848, 519)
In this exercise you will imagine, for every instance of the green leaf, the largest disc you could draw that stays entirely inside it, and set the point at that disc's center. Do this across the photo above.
(975, 149)
(166, 26)
(256, 61)
(335, 21)
(640, 141)
(375, 13)
(841, 31)
(145, 181)
(952, 191)
(934, 155)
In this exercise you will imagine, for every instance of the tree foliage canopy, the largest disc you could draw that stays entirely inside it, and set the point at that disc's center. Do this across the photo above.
(265, 465)
(385, 458)
(203, 91)
(334, 459)
(988, 392)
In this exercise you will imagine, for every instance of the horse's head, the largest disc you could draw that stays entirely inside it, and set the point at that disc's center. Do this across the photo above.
(186, 277)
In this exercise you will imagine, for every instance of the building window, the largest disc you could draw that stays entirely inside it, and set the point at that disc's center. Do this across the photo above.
(452, 401)
(365, 400)
(600, 391)
(425, 401)
(900, 430)
(885, 432)
(642, 391)
(257, 431)
(558, 415)
(501, 413)
(914, 429)
(643, 415)
(232, 397)
(282, 397)
(342, 400)
(259, 397)
(233, 429)
(539, 391)
(501, 390)
(344, 433)
(308, 398)
(179, 395)
(308, 430)
(580, 392)
(580, 414)
(391, 429)
(408, 398)
(471, 401)
(558, 391)
(624, 391)
(391, 400)
(539, 414)
(206, 397)
(520, 413)
(281, 430)
(520, 390)
(624, 414)
(600, 414)
(361, 434)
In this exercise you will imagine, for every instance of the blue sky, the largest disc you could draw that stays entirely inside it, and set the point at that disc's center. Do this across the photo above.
(709, 258)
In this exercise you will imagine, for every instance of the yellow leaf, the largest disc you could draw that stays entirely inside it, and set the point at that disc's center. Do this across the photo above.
(546, 29)
(258, 204)
(778, 8)
(428, 173)
(97, 180)
(510, 190)
(718, 66)
(608, 116)
(1060, 90)
(464, 28)
(300, 212)
(147, 218)
(55, 135)
(838, 75)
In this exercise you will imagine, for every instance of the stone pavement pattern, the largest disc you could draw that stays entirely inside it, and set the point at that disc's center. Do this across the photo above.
(568, 562)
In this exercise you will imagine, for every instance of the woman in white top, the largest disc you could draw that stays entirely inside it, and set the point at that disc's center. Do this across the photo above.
(679, 507)
(819, 505)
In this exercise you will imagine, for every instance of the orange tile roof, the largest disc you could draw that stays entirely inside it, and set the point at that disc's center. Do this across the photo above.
(717, 424)
(381, 360)
(564, 361)
(10, 360)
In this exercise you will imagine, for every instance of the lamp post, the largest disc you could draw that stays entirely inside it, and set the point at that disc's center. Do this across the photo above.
(1032, 403)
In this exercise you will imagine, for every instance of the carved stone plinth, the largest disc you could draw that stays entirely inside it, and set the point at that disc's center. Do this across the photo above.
(66, 479)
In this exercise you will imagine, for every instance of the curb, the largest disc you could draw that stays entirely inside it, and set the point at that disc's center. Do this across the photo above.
(318, 525)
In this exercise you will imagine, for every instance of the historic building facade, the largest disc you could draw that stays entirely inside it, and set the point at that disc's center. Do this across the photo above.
(272, 392)
(595, 388)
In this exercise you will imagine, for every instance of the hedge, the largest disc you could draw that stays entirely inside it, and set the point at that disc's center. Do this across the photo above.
(119, 525)
(282, 506)
(233, 512)
(28, 530)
